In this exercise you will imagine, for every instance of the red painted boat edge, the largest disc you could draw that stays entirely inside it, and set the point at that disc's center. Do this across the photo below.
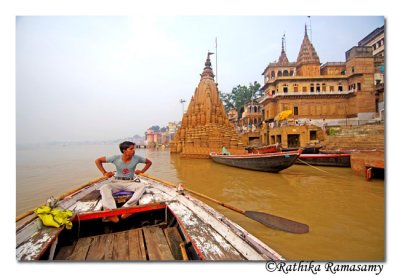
(120, 211)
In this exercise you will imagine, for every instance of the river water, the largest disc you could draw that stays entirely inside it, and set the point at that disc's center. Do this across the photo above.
(345, 213)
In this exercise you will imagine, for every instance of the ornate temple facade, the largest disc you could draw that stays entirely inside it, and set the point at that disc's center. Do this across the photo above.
(205, 126)
(335, 93)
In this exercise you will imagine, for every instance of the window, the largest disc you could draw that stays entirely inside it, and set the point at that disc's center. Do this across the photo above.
(313, 135)
(330, 88)
(279, 74)
(352, 69)
(285, 88)
(296, 110)
(318, 88)
(285, 73)
(312, 87)
(358, 86)
(323, 87)
(295, 88)
(340, 88)
(304, 89)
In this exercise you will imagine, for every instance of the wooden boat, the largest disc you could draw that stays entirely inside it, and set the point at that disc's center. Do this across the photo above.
(306, 149)
(264, 149)
(334, 160)
(345, 151)
(166, 225)
(267, 162)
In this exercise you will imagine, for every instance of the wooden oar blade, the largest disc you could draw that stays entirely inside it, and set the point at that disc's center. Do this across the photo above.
(278, 222)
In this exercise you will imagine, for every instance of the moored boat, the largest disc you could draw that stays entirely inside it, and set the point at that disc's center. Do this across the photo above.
(306, 149)
(264, 149)
(321, 159)
(166, 225)
(267, 162)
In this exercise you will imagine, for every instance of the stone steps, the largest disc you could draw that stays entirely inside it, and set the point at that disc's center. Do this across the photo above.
(357, 137)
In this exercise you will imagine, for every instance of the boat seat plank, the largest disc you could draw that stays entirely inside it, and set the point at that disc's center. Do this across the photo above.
(137, 250)
(93, 195)
(81, 249)
(174, 239)
(157, 245)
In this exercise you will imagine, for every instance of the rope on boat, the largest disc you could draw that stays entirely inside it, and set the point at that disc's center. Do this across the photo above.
(312, 166)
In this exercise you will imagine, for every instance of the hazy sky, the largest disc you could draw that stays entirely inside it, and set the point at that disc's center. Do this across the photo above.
(100, 77)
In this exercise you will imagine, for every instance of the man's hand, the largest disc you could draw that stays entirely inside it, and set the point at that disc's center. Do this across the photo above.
(108, 174)
(138, 172)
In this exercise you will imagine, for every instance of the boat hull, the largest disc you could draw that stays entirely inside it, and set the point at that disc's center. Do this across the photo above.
(200, 231)
(274, 162)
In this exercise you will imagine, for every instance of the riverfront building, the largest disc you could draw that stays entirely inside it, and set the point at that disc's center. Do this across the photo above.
(334, 93)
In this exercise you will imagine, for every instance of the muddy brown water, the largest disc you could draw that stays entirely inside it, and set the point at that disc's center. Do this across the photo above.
(346, 214)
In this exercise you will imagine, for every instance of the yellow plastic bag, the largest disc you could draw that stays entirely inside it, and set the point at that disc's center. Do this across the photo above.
(54, 217)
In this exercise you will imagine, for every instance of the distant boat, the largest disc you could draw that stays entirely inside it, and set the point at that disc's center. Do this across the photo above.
(267, 162)
(321, 159)
(264, 149)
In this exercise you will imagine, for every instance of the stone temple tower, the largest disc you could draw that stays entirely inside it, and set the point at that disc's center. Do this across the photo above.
(205, 126)
(308, 63)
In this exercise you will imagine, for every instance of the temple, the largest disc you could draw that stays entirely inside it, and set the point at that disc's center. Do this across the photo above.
(205, 126)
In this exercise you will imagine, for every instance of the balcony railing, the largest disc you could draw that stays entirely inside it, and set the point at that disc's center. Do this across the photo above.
(288, 94)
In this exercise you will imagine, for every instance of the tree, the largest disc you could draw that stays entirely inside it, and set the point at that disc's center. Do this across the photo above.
(240, 95)
(155, 128)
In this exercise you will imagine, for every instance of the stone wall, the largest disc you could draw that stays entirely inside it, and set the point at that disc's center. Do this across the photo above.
(364, 137)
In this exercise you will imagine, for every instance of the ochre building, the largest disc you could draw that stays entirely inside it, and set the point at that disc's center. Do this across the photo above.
(334, 93)
(205, 126)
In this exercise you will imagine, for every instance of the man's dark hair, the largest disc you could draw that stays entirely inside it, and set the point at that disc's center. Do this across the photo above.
(125, 145)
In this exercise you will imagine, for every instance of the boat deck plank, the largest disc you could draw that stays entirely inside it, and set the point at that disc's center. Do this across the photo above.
(96, 251)
(137, 250)
(157, 245)
(123, 246)
(120, 247)
(81, 249)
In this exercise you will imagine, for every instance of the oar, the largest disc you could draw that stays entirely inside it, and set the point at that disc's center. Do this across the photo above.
(263, 218)
(27, 213)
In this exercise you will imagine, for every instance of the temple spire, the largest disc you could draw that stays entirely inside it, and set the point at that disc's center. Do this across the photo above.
(207, 71)
(307, 53)
(283, 58)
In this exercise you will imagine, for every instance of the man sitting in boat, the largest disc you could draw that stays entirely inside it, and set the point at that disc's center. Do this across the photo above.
(126, 170)
(225, 151)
